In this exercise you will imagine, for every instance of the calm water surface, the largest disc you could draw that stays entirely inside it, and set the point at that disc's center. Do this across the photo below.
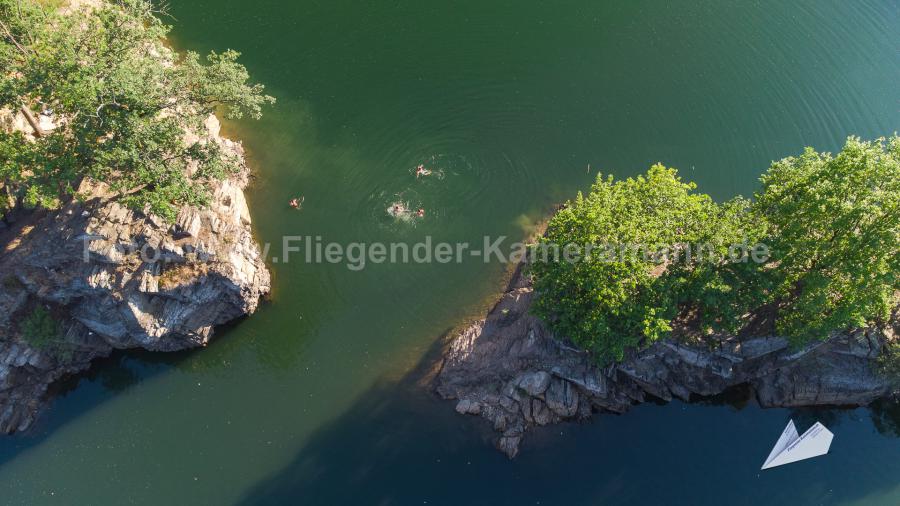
(305, 404)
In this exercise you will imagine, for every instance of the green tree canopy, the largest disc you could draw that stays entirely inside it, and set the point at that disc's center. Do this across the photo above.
(620, 295)
(835, 236)
(830, 226)
(122, 103)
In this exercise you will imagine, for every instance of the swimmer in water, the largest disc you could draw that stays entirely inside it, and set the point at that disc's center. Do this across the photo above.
(421, 212)
(397, 209)
(422, 171)
(295, 203)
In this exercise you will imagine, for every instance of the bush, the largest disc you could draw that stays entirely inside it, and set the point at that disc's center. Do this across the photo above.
(40, 329)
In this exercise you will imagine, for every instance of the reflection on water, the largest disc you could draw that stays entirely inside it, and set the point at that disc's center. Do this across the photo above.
(884, 414)
(886, 417)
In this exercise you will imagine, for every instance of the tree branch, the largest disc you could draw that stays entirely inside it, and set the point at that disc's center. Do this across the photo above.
(12, 39)
(29, 116)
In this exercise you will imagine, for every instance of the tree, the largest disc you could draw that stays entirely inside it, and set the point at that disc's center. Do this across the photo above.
(122, 103)
(618, 293)
(835, 235)
(830, 225)
(719, 294)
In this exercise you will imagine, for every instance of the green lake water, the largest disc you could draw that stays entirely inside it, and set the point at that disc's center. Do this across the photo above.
(306, 402)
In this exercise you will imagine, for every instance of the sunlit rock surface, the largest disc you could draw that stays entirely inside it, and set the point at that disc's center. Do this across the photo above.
(118, 279)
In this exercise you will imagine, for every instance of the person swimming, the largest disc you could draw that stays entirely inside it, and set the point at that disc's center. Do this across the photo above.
(422, 171)
(398, 209)
(296, 203)
(421, 212)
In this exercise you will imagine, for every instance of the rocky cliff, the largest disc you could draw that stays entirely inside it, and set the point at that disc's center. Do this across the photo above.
(103, 277)
(509, 369)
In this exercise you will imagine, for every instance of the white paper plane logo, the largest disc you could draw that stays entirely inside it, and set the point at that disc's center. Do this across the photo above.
(792, 447)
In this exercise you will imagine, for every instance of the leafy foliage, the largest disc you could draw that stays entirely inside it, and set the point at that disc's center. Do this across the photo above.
(610, 303)
(122, 102)
(830, 224)
(719, 294)
(835, 234)
(39, 328)
(42, 331)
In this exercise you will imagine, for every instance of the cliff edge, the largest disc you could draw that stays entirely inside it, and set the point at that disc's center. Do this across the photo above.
(103, 277)
(511, 370)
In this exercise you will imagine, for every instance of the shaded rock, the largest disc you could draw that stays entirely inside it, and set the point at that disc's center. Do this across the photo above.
(521, 376)
(540, 413)
(467, 407)
(509, 445)
(534, 383)
(562, 398)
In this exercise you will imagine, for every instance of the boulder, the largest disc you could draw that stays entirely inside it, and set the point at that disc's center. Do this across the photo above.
(534, 383)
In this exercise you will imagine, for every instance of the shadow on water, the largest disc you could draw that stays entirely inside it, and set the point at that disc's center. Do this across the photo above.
(399, 444)
(396, 431)
(107, 378)
(743, 396)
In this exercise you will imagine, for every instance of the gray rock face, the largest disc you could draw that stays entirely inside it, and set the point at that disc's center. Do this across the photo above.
(117, 279)
(534, 383)
(520, 376)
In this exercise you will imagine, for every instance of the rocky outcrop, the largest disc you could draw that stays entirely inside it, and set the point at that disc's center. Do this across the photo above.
(509, 369)
(112, 278)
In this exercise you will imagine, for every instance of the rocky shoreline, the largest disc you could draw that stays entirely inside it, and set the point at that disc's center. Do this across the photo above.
(113, 278)
(509, 369)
